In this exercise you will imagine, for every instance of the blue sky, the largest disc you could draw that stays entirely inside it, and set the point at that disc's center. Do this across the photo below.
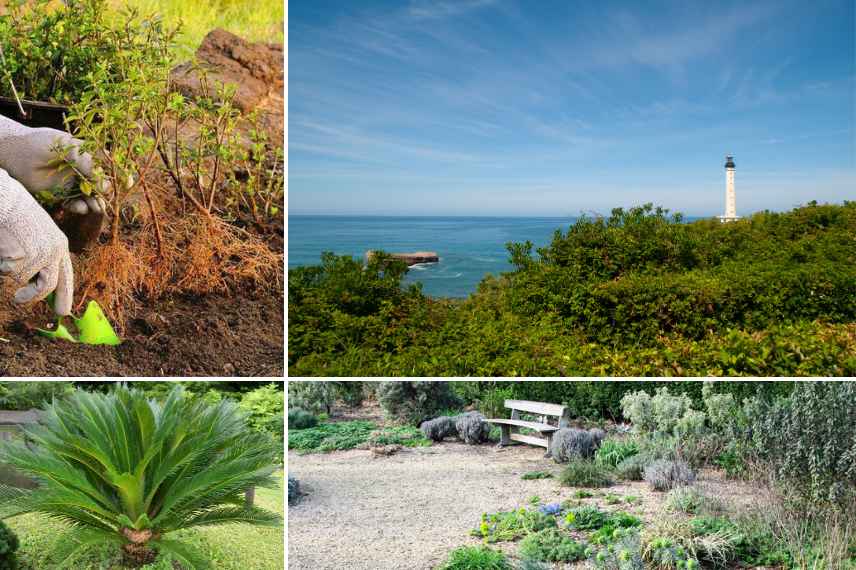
(524, 107)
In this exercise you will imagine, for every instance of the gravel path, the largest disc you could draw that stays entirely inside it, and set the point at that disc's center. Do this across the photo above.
(408, 510)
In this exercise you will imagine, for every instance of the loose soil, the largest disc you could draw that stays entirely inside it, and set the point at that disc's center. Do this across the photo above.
(410, 509)
(190, 336)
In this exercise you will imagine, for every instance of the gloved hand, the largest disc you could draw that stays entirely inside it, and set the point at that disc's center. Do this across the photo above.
(30, 156)
(33, 250)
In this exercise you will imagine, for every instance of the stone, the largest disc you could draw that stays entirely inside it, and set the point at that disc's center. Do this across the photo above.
(411, 258)
(256, 69)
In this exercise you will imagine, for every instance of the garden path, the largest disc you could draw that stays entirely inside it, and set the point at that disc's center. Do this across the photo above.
(408, 510)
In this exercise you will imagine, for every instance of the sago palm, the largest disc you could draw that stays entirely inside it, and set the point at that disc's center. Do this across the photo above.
(124, 469)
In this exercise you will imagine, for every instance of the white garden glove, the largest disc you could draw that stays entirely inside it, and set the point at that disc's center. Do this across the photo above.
(29, 155)
(33, 250)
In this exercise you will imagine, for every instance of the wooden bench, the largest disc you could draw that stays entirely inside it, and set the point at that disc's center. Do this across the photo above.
(545, 414)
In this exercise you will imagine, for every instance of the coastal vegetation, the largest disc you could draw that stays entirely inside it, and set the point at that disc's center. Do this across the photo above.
(640, 292)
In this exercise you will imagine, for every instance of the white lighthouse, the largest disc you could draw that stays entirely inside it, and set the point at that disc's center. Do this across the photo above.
(730, 198)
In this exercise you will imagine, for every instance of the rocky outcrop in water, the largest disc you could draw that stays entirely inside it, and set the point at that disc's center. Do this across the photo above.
(411, 258)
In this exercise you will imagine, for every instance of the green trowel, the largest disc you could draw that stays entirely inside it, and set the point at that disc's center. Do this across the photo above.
(93, 326)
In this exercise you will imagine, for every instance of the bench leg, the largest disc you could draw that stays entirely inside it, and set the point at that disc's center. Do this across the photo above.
(549, 444)
(504, 438)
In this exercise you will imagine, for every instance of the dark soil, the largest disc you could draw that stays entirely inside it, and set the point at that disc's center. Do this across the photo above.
(201, 336)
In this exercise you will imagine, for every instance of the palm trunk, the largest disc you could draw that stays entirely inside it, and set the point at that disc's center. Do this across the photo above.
(137, 555)
(137, 552)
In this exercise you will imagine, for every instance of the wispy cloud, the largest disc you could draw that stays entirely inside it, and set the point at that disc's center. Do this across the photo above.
(432, 10)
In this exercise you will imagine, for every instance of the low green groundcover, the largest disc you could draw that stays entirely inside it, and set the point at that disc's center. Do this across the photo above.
(233, 547)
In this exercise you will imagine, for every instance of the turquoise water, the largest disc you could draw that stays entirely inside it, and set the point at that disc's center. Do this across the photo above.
(469, 247)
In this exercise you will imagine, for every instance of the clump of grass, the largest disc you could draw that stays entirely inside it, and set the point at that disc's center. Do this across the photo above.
(568, 444)
(632, 468)
(691, 501)
(581, 473)
(476, 558)
(583, 494)
(472, 428)
(664, 475)
(612, 452)
(673, 543)
(511, 525)
(551, 545)
(536, 475)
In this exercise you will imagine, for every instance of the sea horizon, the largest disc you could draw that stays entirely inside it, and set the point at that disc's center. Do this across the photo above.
(469, 247)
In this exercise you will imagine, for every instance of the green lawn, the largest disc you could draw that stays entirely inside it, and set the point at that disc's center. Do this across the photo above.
(231, 547)
(257, 20)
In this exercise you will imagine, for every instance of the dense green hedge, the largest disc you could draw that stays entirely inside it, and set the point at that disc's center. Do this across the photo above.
(638, 293)
(603, 399)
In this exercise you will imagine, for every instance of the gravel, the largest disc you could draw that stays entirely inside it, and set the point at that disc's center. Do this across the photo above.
(408, 510)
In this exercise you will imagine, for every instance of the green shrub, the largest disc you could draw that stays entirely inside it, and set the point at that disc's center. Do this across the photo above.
(622, 552)
(612, 452)
(52, 51)
(615, 526)
(634, 294)
(301, 419)
(676, 543)
(536, 475)
(314, 397)
(588, 517)
(146, 469)
(331, 436)
(476, 558)
(511, 525)
(29, 395)
(491, 403)
(582, 473)
(262, 404)
(8, 547)
(809, 441)
(551, 545)
(413, 402)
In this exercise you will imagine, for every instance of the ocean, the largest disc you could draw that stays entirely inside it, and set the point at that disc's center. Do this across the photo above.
(469, 247)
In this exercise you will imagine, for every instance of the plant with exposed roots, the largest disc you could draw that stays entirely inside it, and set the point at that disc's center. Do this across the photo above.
(120, 469)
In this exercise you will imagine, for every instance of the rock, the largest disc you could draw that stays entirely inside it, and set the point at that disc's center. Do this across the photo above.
(411, 258)
(385, 450)
(255, 68)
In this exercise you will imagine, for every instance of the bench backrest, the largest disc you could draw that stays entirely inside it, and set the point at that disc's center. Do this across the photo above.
(542, 409)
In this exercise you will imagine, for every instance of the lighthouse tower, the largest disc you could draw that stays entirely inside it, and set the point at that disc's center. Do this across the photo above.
(730, 198)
